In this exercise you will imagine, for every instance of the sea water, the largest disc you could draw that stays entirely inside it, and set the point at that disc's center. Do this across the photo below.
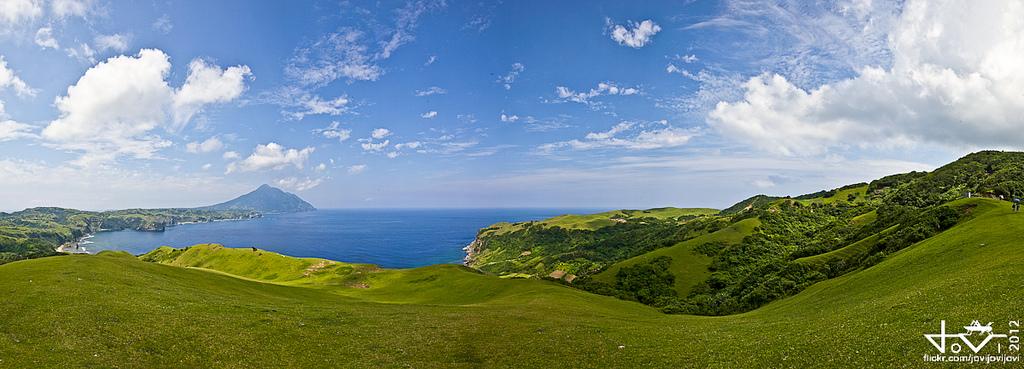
(391, 238)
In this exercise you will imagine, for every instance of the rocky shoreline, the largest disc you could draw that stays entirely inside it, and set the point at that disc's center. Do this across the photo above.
(472, 250)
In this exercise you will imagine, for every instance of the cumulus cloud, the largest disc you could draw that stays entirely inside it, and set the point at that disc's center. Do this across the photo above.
(115, 107)
(271, 156)
(375, 146)
(380, 133)
(298, 184)
(116, 42)
(432, 90)
(209, 145)
(632, 34)
(10, 80)
(429, 115)
(638, 136)
(954, 81)
(508, 118)
(207, 84)
(509, 78)
(231, 155)
(44, 38)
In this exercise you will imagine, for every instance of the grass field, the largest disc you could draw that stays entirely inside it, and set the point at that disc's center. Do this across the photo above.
(600, 220)
(688, 266)
(114, 310)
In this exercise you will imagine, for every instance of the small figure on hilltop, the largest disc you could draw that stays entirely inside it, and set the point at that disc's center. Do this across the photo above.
(253, 249)
(1016, 204)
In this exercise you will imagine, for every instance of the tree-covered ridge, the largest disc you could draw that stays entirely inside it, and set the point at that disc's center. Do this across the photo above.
(37, 232)
(799, 241)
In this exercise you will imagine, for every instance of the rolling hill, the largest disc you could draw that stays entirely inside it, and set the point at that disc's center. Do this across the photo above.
(214, 307)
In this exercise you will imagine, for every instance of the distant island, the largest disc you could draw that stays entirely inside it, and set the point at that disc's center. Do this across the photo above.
(45, 231)
(265, 199)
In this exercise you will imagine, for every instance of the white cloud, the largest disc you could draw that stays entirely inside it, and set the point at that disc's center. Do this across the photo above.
(271, 156)
(375, 146)
(337, 55)
(321, 167)
(116, 42)
(603, 89)
(430, 60)
(116, 105)
(429, 115)
(298, 184)
(231, 155)
(643, 136)
(508, 79)
(380, 133)
(67, 8)
(83, 52)
(44, 38)
(954, 81)
(687, 58)
(333, 131)
(298, 104)
(406, 22)
(432, 90)
(356, 169)
(409, 145)
(163, 24)
(393, 154)
(207, 84)
(18, 11)
(209, 145)
(508, 118)
(10, 80)
(207, 166)
(635, 35)
(11, 130)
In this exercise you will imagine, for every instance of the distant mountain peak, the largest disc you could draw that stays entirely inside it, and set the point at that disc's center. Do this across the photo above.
(266, 199)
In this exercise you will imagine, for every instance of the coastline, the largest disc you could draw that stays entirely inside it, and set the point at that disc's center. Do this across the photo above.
(78, 246)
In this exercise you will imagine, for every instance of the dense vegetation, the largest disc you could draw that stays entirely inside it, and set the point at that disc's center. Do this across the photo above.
(798, 242)
(536, 248)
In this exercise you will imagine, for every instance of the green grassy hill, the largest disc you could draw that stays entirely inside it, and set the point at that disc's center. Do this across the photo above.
(599, 220)
(688, 266)
(114, 310)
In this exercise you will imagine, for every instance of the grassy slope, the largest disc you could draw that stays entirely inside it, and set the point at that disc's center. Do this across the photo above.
(841, 196)
(599, 220)
(689, 267)
(114, 310)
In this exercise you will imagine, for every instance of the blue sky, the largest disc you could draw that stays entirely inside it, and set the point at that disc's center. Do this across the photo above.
(492, 104)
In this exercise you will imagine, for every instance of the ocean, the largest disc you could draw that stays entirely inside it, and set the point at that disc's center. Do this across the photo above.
(391, 238)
